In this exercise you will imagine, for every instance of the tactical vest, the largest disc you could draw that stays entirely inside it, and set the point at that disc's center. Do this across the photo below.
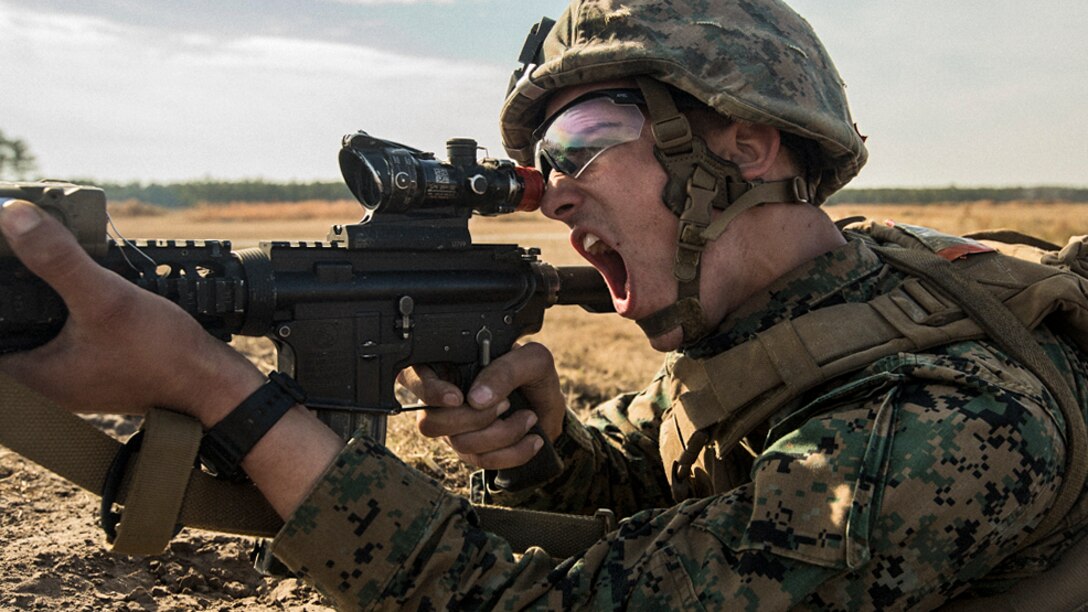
(958, 289)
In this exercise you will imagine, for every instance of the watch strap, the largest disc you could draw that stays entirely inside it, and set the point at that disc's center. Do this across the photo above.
(225, 445)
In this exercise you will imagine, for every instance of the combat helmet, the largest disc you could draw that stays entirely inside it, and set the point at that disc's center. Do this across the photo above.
(756, 61)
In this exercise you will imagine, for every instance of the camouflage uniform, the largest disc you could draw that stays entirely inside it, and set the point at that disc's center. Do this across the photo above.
(899, 486)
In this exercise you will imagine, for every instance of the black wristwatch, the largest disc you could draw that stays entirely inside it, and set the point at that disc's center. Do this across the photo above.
(230, 440)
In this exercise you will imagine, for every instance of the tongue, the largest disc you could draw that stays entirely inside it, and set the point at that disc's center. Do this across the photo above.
(615, 274)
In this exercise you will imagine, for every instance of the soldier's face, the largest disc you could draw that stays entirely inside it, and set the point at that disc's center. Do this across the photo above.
(617, 219)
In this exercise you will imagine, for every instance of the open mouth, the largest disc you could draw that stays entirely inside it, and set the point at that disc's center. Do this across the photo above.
(609, 263)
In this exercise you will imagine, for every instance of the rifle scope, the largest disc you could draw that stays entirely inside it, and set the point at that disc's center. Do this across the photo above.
(393, 178)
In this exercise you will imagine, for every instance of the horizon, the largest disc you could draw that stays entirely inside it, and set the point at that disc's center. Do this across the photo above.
(89, 180)
(974, 93)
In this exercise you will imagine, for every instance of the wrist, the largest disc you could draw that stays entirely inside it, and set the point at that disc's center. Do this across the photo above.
(221, 387)
(289, 460)
(227, 444)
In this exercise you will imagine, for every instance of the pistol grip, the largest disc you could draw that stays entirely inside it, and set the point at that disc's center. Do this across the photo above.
(544, 465)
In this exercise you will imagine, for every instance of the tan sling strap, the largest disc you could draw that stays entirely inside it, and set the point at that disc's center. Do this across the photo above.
(160, 487)
(794, 356)
(561, 535)
(161, 490)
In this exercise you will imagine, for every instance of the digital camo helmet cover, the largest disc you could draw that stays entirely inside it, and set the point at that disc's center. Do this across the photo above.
(753, 60)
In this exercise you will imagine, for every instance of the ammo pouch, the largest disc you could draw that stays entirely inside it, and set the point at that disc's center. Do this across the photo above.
(960, 289)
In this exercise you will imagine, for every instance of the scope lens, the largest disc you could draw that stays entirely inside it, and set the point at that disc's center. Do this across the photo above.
(363, 180)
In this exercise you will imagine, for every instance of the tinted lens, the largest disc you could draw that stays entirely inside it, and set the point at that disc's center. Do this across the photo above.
(581, 132)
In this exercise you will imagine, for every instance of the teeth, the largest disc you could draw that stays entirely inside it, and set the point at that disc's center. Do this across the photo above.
(593, 245)
(589, 241)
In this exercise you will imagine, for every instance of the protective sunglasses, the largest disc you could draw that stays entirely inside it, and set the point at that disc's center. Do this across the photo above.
(587, 127)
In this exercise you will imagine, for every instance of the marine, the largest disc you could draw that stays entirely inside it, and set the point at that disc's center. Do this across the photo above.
(688, 146)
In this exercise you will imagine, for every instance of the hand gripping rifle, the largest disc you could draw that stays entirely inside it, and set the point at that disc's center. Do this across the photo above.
(404, 286)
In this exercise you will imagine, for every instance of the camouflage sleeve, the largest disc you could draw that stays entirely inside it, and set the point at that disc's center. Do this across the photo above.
(612, 460)
(896, 490)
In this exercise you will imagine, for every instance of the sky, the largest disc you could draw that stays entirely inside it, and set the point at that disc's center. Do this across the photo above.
(964, 92)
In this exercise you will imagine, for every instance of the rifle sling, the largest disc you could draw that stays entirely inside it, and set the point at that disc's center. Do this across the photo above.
(62, 442)
(162, 490)
(561, 535)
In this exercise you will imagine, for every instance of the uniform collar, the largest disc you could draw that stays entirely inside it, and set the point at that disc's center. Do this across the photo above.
(831, 278)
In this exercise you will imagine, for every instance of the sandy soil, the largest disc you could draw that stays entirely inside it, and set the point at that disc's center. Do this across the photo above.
(53, 556)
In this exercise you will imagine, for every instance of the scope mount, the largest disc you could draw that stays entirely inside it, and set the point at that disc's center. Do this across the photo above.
(442, 231)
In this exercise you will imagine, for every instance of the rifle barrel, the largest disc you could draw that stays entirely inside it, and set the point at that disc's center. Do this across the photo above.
(584, 286)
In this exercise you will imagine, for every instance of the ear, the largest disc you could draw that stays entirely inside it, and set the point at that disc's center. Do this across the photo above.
(752, 147)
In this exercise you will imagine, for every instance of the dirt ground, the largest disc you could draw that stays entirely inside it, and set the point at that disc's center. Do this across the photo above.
(53, 556)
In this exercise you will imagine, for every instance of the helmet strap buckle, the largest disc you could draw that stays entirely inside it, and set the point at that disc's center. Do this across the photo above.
(672, 134)
(702, 190)
(671, 129)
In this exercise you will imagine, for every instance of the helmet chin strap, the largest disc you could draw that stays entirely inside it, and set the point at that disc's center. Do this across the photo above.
(699, 181)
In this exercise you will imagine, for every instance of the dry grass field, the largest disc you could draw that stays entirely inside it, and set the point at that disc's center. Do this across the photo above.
(51, 552)
(1054, 221)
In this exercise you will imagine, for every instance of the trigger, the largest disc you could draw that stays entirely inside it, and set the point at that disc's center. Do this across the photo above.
(483, 341)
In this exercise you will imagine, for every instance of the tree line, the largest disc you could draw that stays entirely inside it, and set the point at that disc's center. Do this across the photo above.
(17, 162)
(185, 194)
(180, 195)
(929, 195)
(189, 193)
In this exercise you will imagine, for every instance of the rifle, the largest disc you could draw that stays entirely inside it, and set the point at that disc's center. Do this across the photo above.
(402, 287)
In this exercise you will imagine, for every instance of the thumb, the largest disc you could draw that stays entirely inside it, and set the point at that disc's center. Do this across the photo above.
(17, 217)
(48, 249)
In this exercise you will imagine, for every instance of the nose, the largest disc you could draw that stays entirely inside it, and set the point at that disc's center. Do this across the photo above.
(561, 198)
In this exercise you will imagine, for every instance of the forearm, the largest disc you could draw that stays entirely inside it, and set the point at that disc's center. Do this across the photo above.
(602, 470)
(375, 534)
(288, 460)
